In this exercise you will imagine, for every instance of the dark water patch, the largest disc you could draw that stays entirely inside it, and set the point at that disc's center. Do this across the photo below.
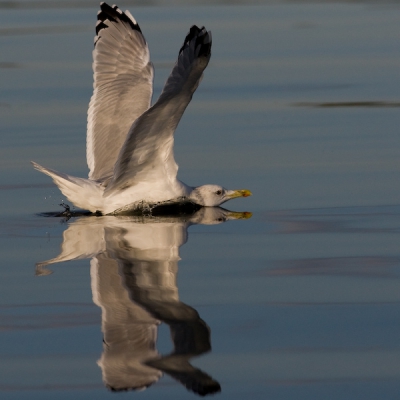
(15, 388)
(271, 90)
(289, 304)
(325, 349)
(51, 4)
(368, 219)
(47, 316)
(314, 381)
(26, 186)
(9, 65)
(41, 30)
(35, 305)
(359, 104)
(377, 210)
(364, 266)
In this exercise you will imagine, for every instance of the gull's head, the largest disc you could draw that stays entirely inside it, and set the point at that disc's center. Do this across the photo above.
(214, 195)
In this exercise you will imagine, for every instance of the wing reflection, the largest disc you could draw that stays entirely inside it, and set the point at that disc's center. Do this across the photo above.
(134, 262)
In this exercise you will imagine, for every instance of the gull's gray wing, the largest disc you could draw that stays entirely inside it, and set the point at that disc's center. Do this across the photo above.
(147, 154)
(123, 86)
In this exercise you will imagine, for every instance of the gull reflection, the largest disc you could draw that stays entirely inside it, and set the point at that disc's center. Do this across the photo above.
(134, 262)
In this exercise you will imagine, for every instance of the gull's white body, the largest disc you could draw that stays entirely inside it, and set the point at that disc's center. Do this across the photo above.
(130, 144)
(90, 195)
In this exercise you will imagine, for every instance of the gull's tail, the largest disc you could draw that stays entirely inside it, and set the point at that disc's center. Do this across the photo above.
(84, 193)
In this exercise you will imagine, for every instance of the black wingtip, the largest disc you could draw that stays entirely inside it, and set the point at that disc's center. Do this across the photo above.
(113, 14)
(202, 38)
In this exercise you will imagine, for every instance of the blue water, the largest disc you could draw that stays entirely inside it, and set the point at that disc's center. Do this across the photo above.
(300, 105)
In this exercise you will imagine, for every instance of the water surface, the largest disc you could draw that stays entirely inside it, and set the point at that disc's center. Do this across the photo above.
(300, 104)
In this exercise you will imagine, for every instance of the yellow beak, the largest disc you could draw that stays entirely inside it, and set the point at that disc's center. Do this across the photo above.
(239, 215)
(232, 194)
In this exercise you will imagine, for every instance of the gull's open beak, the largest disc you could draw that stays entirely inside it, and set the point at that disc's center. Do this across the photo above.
(232, 194)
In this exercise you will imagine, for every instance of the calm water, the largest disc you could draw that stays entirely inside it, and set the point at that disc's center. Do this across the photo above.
(300, 104)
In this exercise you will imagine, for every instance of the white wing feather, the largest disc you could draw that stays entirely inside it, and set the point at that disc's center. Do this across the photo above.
(147, 154)
(123, 86)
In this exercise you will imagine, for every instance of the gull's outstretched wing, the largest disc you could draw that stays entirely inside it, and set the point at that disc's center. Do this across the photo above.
(147, 154)
(123, 86)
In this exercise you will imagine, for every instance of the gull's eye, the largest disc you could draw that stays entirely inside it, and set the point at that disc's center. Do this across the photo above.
(218, 192)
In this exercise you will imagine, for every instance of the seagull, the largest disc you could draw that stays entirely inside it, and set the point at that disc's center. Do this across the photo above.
(129, 143)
